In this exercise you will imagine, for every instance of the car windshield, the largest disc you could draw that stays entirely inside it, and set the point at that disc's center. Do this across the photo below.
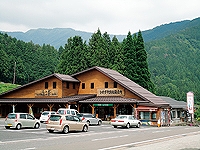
(45, 113)
(55, 117)
(11, 116)
(80, 115)
(88, 116)
(121, 117)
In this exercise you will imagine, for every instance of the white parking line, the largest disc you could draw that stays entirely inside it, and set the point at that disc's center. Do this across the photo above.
(113, 137)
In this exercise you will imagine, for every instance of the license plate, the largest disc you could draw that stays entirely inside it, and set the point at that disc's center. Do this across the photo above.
(52, 128)
(9, 124)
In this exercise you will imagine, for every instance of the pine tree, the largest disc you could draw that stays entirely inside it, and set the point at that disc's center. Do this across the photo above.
(142, 70)
(130, 57)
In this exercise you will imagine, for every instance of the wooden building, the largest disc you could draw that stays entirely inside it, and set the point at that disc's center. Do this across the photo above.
(97, 90)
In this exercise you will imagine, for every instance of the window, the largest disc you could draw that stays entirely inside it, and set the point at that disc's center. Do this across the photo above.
(178, 114)
(115, 84)
(173, 114)
(144, 115)
(153, 115)
(54, 85)
(46, 85)
(92, 85)
(74, 85)
(67, 85)
(83, 85)
(106, 84)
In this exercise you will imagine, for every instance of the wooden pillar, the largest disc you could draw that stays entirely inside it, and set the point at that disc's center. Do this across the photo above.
(13, 107)
(30, 108)
(66, 105)
(78, 107)
(50, 106)
(92, 108)
(115, 109)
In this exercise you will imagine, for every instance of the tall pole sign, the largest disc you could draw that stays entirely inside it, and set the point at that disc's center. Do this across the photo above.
(190, 104)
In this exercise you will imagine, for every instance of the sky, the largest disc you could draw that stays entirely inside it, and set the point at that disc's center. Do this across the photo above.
(111, 16)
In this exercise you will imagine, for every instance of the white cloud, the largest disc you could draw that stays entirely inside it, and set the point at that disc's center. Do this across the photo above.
(112, 16)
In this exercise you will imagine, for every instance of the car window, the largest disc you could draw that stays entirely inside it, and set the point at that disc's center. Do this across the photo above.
(30, 117)
(68, 111)
(53, 113)
(73, 113)
(22, 116)
(80, 115)
(121, 117)
(61, 111)
(88, 116)
(130, 117)
(12, 116)
(69, 118)
(76, 119)
(45, 113)
(54, 117)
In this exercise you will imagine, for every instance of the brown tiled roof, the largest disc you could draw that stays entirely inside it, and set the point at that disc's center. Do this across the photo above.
(47, 100)
(110, 99)
(128, 84)
(61, 77)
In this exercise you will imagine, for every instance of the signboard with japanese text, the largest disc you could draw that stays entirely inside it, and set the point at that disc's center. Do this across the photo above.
(110, 92)
(190, 102)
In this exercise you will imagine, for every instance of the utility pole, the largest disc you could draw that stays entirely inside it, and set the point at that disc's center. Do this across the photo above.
(14, 73)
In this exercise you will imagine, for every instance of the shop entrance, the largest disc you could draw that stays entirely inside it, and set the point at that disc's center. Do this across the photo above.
(103, 112)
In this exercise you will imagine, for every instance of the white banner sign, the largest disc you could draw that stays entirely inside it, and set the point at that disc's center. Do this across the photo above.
(190, 102)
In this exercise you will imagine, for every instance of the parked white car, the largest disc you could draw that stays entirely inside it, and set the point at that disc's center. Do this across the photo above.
(66, 111)
(21, 120)
(125, 121)
(45, 116)
(89, 118)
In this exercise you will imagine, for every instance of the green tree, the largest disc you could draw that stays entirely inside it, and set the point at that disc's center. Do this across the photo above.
(142, 71)
(73, 58)
(129, 51)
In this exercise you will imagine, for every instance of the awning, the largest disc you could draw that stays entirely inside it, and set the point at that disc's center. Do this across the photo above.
(111, 99)
(142, 108)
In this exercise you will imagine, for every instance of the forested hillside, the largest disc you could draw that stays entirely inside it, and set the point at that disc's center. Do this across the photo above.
(173, 52)
(174, 63)
(28, 61)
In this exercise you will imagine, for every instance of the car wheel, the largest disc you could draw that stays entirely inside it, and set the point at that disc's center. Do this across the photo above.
(88, 122)
(115, 126)
(85, 128)
(138, 125)
(18, 126)
(128, 125)
(37, 125)
(7, 127)
(99, 122)
(50, 131)
(66, 129)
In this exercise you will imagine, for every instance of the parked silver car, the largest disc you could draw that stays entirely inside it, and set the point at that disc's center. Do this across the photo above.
(21, 120)
(89, 118)
(125, 121)
(65, 123)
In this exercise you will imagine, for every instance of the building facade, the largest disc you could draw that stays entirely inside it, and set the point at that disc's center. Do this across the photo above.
(97, 90)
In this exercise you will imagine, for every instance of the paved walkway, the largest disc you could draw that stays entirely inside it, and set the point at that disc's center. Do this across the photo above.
(191, 142)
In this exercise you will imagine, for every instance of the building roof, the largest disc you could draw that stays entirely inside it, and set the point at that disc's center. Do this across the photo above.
(61, 77)
(174, 103)
(48, 100)
(128, 84)
(110, 99)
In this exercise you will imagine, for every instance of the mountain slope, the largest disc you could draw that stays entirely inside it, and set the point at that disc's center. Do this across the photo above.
(58, 36)
(174, 63)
